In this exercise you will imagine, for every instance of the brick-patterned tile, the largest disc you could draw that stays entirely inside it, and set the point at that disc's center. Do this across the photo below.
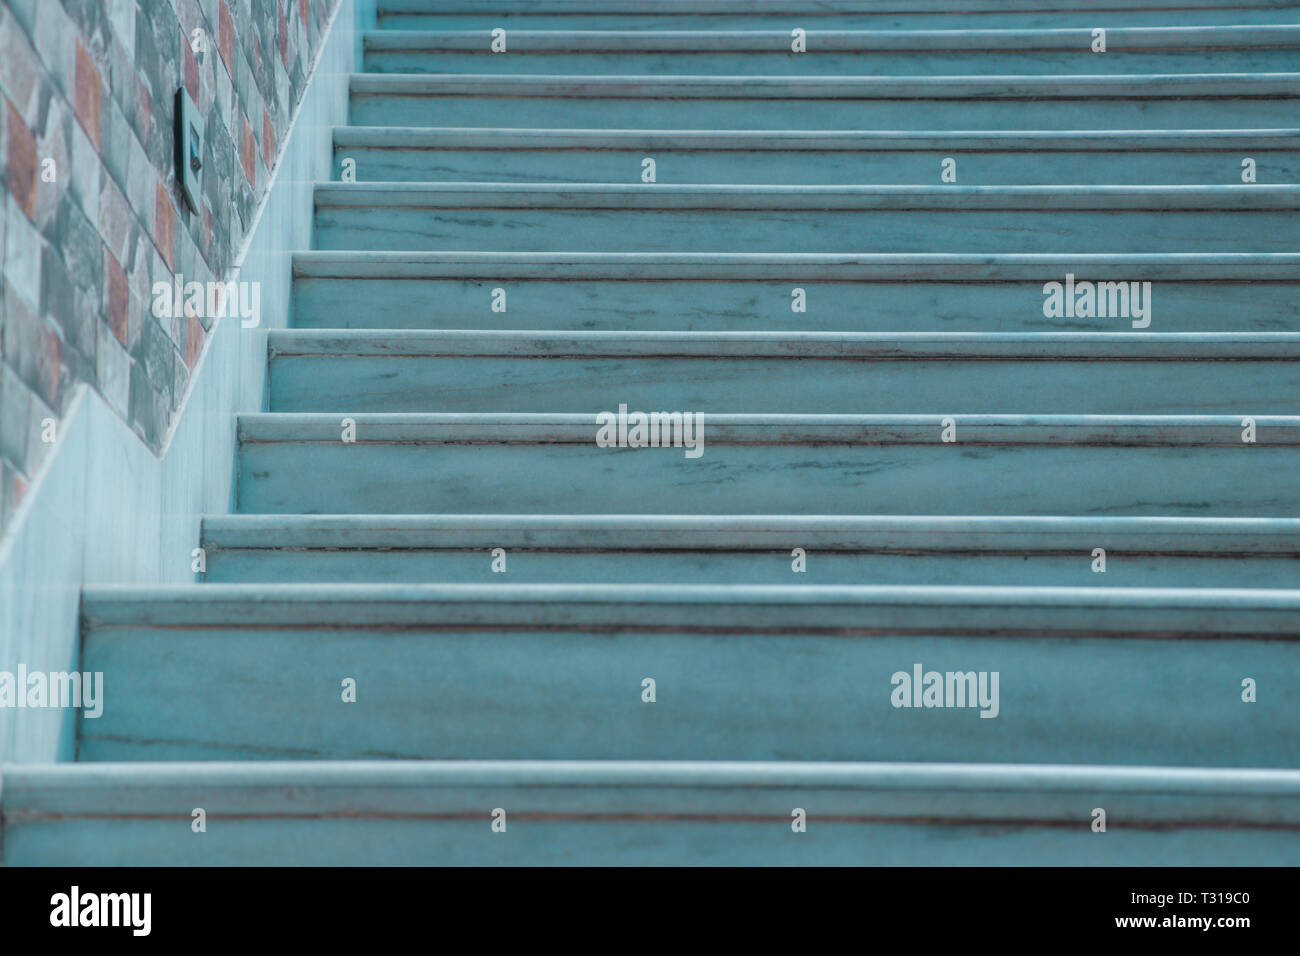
(20, 73)
(191, 68)
(22, 162)
(83, 255)
(226, 37)
(282, 32)
(116, 219)
(33, 349)
(89, 91)
(144, 110)
(118, 297)
(248, 152)
(194, 335)
(268, 140)
(164, 228)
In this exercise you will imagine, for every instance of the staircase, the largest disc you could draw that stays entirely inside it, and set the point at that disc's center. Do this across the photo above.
(448, 626)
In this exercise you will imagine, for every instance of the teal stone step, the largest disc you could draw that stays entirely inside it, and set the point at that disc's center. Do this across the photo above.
(1124, 676)
(581, 217)
(787, 372)
(755, 291)
(768, 464)
(1078, 158)
(1112, 101)
(695, 52)
(752, 549)
(811, 14)
(629, 813)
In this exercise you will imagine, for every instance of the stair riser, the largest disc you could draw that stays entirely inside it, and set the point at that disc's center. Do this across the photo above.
(470, 842)
(468, 383)
(579, 112)
(485, 693)
(826, 63)
(831, 167)
(392, 227)
(592, 302)
(474, 566)
(329, 478)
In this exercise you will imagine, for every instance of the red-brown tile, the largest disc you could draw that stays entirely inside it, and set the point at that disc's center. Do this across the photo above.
(22, 162)
(119, 296)
(164, 229)
(88, 92)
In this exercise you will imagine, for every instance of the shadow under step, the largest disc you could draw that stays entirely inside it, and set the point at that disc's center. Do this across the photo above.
(787, 372)
(1242, 292)
(1080, 158)
(1121, 101)
(748, 549)
(1165, 49)
(596, 217)
(768, 464)
(640, 814)
(696, 672)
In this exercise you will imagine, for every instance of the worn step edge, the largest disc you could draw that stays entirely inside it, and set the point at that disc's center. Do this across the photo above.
(951, 198)
(1169, 613)
(922, 533)
(507, 138)
(954, 267)
(803, 7)
(852, 792)
(1067, 40)
(547, 428)
(957, 346)
(956, 87)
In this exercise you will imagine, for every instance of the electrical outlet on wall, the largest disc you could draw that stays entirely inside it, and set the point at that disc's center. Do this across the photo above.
(189, 150)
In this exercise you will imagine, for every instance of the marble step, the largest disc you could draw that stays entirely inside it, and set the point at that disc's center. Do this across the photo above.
(478, 463)
(832, 52)
(1152, 101)
(1131, 676)
(785, 372)
(825, 157)
(644, 813)
(752, 549)
(594, 217)
(1242, 292)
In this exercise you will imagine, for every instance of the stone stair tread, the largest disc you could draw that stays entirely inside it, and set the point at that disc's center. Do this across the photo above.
(626, 812)
(1105, 430)
(1024, 346)
(716, 196)
(1079, 86)
(1236, 536)
(1119, 39)
(1210, 612)
(461, 137)
(974, 791)
(358, 263)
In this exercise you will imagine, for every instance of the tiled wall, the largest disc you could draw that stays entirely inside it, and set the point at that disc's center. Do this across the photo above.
(90, 213)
